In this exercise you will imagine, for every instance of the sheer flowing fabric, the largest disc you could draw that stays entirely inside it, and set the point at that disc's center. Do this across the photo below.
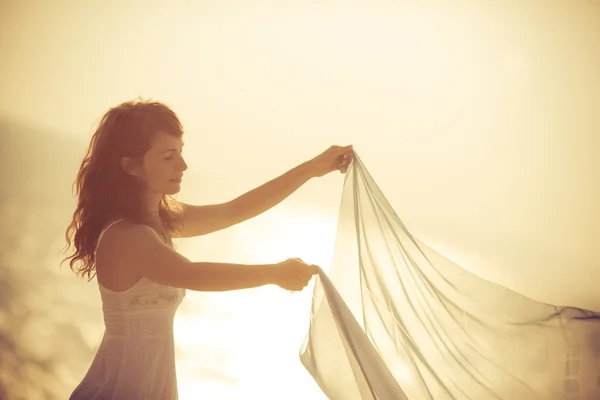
(396, 320)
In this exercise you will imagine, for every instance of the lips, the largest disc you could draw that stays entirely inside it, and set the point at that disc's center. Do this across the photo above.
(177, 180)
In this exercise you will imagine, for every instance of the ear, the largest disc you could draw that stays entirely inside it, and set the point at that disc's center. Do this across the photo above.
(129, 166)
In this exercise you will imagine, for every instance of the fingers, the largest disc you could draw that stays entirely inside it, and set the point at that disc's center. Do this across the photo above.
(298, 275)
(342, 149)
(295, 284)
(343, 162)
(339, 158)
(347, 151)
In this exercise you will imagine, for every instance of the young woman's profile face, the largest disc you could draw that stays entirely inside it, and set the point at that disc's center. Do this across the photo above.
(163, 164)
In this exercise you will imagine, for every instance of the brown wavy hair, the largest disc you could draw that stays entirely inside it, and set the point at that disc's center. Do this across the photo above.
(105, 191)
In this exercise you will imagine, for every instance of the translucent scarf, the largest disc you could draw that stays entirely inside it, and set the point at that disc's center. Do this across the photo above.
(396, 320)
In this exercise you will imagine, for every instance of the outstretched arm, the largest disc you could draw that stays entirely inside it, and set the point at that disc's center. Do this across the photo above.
(141, 250)
(201, 220)
(204, 219)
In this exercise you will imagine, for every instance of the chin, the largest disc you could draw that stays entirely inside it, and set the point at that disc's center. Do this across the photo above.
(172, 189)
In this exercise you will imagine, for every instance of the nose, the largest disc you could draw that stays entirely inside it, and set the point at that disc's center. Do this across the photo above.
(182, 164)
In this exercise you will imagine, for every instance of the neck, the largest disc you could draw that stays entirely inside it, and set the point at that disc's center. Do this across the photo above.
(153, 203)
(153, 207)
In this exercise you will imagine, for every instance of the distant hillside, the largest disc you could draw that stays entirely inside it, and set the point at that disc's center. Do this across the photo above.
(36, 162)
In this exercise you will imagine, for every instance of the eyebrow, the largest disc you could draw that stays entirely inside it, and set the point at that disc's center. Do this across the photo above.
(172, 149)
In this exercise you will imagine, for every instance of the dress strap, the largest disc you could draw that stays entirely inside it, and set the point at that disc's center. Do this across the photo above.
(105, 229)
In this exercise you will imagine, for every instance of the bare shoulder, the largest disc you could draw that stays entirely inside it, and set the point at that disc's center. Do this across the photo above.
(139, 249)
(125, 237)
(130, 231)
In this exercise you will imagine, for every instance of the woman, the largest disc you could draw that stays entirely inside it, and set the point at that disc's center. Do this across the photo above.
(122, 232)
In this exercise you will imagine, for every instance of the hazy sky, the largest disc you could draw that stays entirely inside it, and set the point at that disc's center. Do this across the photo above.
(480, 123)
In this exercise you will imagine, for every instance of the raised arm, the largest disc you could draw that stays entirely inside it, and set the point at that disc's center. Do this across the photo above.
(203, 219)
(140, 249)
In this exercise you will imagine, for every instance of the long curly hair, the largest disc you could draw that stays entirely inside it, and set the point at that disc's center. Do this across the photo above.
(106, 192)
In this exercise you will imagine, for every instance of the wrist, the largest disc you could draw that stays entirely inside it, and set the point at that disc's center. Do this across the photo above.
(269, 274)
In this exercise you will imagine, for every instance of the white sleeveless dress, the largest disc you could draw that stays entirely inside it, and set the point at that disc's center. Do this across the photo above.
(136, 358)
